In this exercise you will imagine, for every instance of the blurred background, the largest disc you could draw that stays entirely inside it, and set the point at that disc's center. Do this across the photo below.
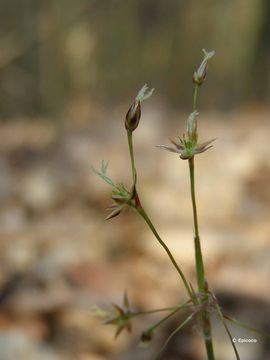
(69, 71)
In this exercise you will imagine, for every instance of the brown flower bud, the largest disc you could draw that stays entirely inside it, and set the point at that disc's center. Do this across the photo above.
(133, 116)
(134, 112)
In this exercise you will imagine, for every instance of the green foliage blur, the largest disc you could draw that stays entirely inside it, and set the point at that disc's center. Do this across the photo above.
(52, 52)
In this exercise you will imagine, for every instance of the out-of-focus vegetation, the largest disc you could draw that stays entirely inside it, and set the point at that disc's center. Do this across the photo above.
(79, 64)
(52, 52)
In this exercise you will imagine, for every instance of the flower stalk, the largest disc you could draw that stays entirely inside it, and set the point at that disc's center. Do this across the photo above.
(200, 272)
(195, 96)
(131, 154)
(197, 243)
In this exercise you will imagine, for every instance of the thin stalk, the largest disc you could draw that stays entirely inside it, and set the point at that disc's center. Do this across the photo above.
(172, 308)
(131, 153)
(206, 324)
(197, 243)
(144, 215)
(195, 96)
(208, 341)
(152, 328)
(198, 251)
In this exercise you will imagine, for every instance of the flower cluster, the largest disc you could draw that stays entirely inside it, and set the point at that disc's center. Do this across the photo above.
(121, 197)
(188, 145)
(121, 319)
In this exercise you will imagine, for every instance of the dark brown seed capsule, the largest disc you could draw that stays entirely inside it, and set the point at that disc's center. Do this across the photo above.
(133, 116)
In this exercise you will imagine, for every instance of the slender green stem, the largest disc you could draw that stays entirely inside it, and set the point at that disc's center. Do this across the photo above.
(172, 308)
(198, 251)
(195, 96)
(144, 215)
(152, 328)
(160, 322)
(131, 153)
(205, 318)
(208, 340)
